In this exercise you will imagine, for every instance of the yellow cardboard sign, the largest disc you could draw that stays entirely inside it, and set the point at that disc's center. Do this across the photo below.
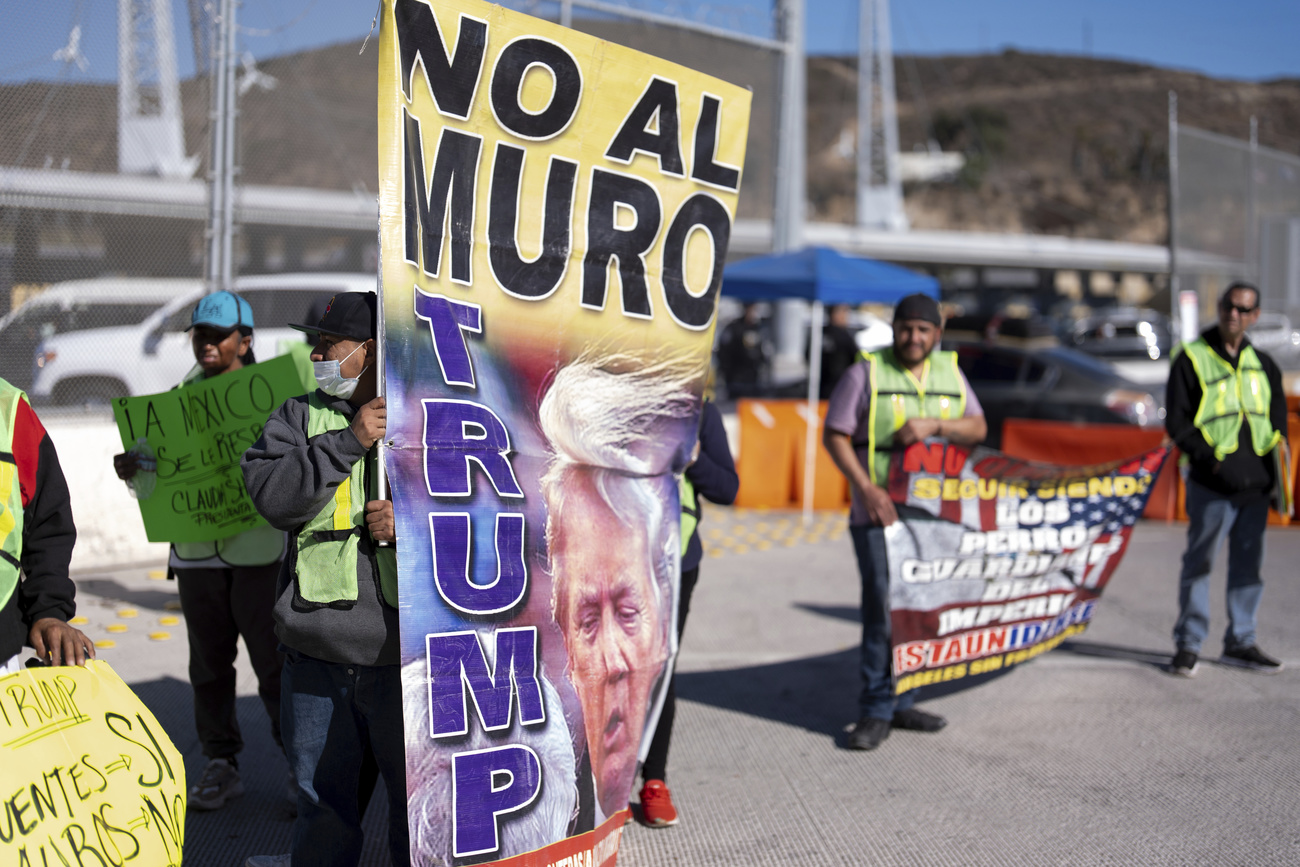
(87, 775)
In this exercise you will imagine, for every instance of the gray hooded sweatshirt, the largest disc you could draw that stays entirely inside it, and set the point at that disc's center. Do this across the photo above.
(290, 479)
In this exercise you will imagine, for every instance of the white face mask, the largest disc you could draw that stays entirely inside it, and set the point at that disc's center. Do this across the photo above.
(330, 379)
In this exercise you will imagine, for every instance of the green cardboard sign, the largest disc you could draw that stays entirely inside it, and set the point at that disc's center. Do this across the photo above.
(198, 433)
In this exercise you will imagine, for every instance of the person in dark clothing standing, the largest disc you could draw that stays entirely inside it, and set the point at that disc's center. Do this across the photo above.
(839, 349)
(226, 586)
(711, 475)
(36, 539)
(744, 353)
(1226, 411)
(312, 473)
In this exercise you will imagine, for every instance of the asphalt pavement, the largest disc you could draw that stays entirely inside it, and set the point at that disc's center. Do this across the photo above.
(1091, 754)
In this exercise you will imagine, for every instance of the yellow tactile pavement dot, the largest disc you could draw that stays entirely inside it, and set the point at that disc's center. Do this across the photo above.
(168, 621)
(115, 627)
(78, 620)
(727, 531)
(127, 612)
(157, 574)
(105, 642)
(159, 636)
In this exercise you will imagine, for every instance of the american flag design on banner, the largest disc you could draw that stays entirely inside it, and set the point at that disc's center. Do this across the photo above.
(995, 560)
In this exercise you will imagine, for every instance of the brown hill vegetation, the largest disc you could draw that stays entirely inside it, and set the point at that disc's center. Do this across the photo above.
(1055, 144)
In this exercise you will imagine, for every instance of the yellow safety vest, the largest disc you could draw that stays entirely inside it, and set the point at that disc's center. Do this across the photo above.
(11, 495)
(1230, 395)
(897, 395)
(328, 544)
(690, 509)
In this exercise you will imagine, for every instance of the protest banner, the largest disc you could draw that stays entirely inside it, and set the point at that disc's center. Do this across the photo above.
(996, 560)
(554, 212)
(90, 777)
(198, 433)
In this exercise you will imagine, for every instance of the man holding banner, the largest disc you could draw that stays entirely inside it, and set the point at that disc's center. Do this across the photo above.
(1227, 412)
(890, 400)
(312, 474)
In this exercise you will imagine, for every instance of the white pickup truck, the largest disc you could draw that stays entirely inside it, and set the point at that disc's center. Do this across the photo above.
(99, 364)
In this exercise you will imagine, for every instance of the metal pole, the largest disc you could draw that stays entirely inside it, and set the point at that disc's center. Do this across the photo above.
(1251, 252)
(1174, 297)
(788, 209)
(789, 212)
(566, 13)
(228, 169)
(866, 102)
(216, 166)
(812, 419)
(381, 472)
(897, 218)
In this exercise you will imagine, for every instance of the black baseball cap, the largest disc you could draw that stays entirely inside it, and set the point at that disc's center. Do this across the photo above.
(918, 306)
(350, 315)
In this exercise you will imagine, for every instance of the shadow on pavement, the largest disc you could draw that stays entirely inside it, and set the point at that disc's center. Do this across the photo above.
(108, 589)
(818, 693)
(851, 613)
(1156, 658)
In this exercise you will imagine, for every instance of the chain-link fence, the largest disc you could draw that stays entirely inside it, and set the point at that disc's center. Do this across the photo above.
(1236, 216)
(106, 152)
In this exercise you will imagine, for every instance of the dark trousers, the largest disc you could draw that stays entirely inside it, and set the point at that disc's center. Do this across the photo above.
(220, 605)
(656, 760)
(334, 715)
(877, 699)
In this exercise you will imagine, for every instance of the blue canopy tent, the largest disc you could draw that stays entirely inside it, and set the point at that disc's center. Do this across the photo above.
(823, 276)
(820, 274)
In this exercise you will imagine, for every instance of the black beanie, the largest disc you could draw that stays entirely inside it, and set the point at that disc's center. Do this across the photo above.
(918, 306)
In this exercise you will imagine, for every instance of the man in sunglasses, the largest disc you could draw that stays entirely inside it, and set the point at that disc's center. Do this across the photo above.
(1226, 412)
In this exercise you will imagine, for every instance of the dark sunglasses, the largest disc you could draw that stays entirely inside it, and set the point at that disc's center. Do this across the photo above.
(1228, 307)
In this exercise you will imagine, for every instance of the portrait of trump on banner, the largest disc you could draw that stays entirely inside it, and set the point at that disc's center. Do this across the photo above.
(612, 535)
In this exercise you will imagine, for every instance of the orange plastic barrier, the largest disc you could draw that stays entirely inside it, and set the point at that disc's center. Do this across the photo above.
(766, 460)
(1073, 444)
(771, 462)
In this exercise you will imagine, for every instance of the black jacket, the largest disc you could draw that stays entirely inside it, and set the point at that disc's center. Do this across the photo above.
(713, 474)
(1241, 475)
(45, 590)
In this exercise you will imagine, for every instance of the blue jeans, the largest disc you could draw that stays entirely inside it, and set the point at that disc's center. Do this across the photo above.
(1211, 517)
(329, 713)
(878, 699)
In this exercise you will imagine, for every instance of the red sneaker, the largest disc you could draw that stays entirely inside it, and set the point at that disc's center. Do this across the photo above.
(657, 810)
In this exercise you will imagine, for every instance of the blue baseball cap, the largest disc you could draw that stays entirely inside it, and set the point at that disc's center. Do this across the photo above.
(224, 310)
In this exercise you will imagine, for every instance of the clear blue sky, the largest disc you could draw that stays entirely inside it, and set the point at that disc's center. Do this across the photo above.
(1248, 39)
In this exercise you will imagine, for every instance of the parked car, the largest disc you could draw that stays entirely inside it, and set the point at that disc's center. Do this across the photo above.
(1124, 332)
(1053, 384)
(1136, 342)
(98, 365)
(77, 305)
(1274, 334)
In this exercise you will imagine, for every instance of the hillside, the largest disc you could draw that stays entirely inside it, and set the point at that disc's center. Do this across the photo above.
(1062, 145)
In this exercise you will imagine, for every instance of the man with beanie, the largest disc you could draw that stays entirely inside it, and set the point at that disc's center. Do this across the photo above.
(312, 474)
(926, 396)
(1227, 413)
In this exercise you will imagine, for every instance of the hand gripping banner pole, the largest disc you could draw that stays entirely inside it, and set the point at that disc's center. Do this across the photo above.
(381, 474)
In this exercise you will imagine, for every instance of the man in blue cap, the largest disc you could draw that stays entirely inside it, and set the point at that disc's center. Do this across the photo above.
(312, 473)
